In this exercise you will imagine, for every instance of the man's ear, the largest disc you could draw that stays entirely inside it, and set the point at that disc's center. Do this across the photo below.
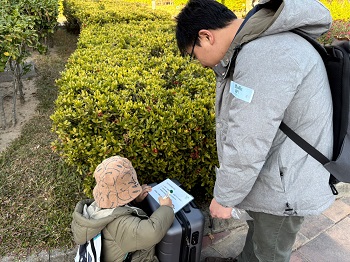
(206, 35)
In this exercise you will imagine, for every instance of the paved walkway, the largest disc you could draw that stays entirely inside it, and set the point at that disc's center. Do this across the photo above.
(324, 238)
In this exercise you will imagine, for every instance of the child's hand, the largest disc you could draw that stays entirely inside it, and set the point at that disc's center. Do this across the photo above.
(165, 201)
(144, 193)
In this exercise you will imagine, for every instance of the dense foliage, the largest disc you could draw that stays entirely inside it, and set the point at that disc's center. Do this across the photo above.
(236, 5)
(340, 9)
(126, 90)
(16, 33)
(79, 13)
(23, 26)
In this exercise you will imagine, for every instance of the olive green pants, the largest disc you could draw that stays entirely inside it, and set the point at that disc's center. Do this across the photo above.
(270, 238)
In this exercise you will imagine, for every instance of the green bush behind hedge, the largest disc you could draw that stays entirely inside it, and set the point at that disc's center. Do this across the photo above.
(236, 5)
(340, 9)
(81, 12)
(127, 91)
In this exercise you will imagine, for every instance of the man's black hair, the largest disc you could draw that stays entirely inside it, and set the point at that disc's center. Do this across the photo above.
(198, 15)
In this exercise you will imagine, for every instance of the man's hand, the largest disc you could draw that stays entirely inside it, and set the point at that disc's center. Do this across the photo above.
(219, 211)
(144, 193)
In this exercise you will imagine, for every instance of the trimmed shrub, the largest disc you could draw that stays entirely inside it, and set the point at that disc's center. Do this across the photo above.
(237, 5)
(129, 92)
(340, 9)
(79, 12)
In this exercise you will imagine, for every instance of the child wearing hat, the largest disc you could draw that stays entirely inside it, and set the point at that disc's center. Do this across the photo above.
(126, 229)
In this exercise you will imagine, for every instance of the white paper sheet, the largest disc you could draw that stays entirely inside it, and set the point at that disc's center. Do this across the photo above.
(179, 197)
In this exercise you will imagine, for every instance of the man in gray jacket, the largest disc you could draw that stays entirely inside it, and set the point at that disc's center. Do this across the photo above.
(277, 75)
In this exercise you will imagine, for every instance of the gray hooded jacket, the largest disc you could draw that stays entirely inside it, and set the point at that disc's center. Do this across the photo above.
(277, 76)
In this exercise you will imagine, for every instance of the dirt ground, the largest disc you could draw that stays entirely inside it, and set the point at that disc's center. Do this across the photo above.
(24, 111)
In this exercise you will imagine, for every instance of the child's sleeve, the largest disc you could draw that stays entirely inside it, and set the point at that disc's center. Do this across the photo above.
(148, 232)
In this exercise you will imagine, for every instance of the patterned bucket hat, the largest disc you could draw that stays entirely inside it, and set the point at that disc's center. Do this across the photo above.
(116, 183)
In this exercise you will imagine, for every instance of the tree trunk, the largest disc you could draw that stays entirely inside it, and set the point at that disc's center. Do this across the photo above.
(14, 96)
(3, 123)
(18, 80)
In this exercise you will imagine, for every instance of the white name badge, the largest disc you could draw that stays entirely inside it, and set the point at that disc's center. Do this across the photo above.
(241, 92)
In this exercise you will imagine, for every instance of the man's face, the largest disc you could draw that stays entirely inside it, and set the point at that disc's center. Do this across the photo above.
(204, 52)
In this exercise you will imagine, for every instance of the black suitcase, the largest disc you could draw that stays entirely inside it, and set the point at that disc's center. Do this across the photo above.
(183, 241)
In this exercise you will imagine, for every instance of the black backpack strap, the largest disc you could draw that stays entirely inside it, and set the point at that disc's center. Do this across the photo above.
(93, 248)
(273, 5)
(303, 144)
(239, 47)
(82, 253)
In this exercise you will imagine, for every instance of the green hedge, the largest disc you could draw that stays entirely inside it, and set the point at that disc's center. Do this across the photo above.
(340, 9)
(127, 91)
(236, 5)
(81, 12)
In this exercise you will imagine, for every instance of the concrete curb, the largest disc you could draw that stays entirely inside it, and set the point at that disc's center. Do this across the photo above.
(56, 255)
(343, 189)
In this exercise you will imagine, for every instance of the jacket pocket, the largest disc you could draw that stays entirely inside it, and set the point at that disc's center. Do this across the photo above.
(222, 128)
(282, 174)
(221, 133)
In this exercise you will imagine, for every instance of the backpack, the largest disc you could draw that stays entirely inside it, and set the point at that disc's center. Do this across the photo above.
(336, 58)
(91, 251)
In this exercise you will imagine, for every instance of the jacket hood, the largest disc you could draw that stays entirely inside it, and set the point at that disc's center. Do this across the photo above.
(89, 219)
(276, 16)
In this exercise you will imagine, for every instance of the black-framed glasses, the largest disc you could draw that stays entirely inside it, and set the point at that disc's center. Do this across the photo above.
(194, 44)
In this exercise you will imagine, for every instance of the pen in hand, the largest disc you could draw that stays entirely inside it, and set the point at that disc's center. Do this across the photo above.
(168, 194)
(165, 201)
